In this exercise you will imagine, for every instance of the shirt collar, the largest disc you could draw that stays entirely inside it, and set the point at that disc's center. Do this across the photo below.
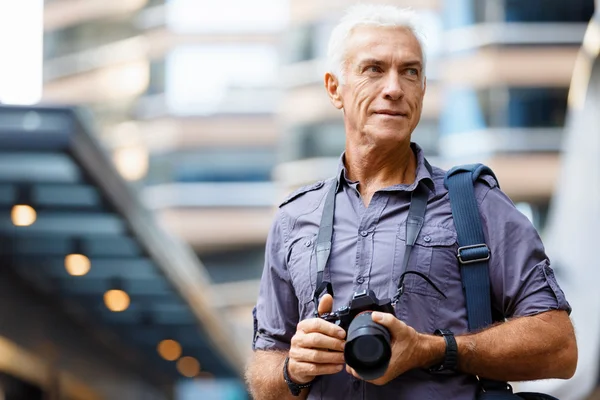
(424, 173)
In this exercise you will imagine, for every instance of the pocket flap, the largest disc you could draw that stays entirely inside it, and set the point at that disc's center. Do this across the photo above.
(431, 235)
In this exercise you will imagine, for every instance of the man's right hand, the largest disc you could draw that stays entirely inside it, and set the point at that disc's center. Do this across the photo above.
(317, 347)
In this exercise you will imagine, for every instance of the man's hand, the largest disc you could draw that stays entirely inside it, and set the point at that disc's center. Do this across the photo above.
(317, 347)
(404, 341)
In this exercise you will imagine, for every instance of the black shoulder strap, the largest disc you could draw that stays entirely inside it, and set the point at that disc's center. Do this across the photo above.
(323, 244)
(473, 252)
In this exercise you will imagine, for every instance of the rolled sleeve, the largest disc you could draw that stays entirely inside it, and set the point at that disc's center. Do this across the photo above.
(276, 312)
(522, 281)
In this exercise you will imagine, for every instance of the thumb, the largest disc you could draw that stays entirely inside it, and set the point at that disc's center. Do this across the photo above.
(325, 304)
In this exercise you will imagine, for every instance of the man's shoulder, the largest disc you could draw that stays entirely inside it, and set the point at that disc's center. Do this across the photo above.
(298, 195)
(482, 185)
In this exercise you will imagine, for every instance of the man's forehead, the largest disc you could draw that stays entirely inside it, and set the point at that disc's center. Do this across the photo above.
(378, 41)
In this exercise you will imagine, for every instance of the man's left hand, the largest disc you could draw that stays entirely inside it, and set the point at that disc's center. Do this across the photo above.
(404, 341)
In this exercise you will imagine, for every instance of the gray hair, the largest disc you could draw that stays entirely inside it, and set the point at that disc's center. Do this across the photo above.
(369, 15)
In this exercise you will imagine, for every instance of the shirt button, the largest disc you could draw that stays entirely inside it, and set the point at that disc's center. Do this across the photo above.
(427, 239)
(308, 243)
(360, 280)
(364, 233)
(355, 383)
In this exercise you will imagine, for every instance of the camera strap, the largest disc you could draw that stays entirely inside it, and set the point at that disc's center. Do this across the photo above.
(414, 223)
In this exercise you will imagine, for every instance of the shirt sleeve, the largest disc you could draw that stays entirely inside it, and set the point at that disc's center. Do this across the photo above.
(522, 280)
(276, 313)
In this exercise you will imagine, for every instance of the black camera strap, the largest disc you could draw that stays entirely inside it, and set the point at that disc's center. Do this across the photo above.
(414, 223)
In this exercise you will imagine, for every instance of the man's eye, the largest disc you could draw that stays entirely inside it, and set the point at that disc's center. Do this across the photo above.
(412, 71)
(374, 68)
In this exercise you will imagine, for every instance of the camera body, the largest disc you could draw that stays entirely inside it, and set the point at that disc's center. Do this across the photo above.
(368, 348)
(362, 301)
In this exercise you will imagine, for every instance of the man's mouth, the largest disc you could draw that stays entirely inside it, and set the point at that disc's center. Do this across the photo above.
(391, 113)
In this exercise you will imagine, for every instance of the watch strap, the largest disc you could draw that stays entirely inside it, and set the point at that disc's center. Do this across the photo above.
(450, 355)
(295, 388)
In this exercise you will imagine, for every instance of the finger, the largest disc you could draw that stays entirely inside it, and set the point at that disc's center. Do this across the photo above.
(386, 319)
(317, 340)
(325, 304)
(321, 326)
(316, 356)
(352, 372)
(312, 370)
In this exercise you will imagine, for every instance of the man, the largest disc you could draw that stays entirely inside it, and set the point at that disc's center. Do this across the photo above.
(377, 77)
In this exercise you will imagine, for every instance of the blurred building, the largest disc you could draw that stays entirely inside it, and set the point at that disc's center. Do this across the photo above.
(98, 302)
(185, 95)
(574, 218)
(506, 73)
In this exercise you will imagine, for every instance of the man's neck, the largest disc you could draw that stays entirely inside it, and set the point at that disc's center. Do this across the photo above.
(376, 169)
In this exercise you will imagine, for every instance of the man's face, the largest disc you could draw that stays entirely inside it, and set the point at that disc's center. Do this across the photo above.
(382, 94)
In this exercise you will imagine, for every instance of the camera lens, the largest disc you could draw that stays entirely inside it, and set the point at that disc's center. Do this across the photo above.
(367, 348)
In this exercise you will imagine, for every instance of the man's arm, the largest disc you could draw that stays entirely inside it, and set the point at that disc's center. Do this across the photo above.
(315, 349)
(537, 347)
(264, 377)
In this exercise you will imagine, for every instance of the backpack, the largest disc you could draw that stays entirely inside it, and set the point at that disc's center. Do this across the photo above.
(473, 256)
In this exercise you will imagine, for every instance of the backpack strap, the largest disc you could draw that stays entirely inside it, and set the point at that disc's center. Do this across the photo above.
(473, 252)
(473, 257)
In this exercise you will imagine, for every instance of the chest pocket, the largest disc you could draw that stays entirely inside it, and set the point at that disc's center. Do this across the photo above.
(433, 255)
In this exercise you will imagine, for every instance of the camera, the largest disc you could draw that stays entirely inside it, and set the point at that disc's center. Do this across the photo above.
(367, 348)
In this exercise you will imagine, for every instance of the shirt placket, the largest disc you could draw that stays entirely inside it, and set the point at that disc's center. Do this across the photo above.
(364, 242)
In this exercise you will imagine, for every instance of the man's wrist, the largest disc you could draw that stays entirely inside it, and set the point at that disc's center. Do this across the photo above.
(432, 350)
(294, 387)
(299, 380)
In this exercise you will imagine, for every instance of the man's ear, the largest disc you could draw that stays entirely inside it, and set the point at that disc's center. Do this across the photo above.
(332, 86)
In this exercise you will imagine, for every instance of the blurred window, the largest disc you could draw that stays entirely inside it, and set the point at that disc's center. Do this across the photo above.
(307, 41)
(460, 13)
(234, 264)
(537, 107)
(90, 34)
(549, 10)
(227, 16)
(212, 165)
(325, 139)
(221, 79)
(468, 110)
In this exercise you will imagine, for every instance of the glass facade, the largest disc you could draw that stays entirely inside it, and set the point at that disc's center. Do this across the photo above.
(221, 79)
(469, 110)
(88, 35)
(235, 264)
(548, 10)
(461, 13)
(227, 16)
(212, 165)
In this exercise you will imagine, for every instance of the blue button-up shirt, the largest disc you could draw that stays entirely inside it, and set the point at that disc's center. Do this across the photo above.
(367, 250)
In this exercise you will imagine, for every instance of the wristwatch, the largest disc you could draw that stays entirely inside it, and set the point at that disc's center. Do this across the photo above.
(451, 355)
(295, 388)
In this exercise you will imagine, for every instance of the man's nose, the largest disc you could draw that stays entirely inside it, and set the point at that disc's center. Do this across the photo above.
(393, 88)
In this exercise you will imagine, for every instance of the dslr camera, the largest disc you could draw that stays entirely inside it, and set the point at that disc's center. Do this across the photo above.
(367, 350)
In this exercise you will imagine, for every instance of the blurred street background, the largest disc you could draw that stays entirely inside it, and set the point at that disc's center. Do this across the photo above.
(145, 144)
